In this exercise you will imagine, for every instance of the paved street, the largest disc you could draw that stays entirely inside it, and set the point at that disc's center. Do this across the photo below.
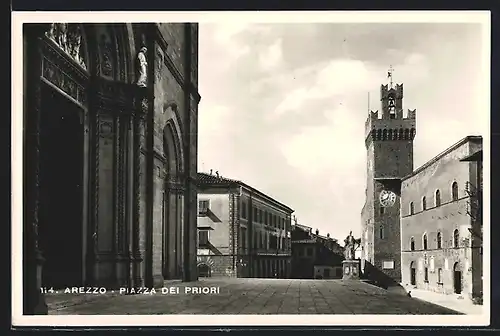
(248, 296)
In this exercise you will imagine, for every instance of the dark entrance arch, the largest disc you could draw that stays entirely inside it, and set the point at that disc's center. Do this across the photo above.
(61, 190)
(204, 270)
(413, 274)
(457, 278)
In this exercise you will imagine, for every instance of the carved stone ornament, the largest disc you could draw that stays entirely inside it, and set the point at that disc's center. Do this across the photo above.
(107, 65)
(69, 38)
(143, 67)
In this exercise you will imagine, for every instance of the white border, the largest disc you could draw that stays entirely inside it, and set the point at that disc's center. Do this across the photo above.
(18, 18)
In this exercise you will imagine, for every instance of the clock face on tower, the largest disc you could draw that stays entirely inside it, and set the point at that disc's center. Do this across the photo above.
(387, 198)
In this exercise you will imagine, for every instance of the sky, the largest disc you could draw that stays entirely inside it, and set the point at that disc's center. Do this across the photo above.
(284, 105)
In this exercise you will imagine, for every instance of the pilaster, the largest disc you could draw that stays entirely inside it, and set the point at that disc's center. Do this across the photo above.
(33, 299)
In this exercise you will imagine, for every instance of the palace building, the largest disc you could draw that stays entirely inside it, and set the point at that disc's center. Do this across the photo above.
(441, 227)
(242, 232)
(110, 155)
(421, 228)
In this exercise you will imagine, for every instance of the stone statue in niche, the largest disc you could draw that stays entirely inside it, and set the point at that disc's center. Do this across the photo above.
(69, 38)
(143, 67)
(107, 68)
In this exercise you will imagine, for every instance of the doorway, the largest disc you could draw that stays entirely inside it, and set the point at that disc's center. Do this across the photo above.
(204, 271)
(61, 199)
(457, 278)
(413, 274)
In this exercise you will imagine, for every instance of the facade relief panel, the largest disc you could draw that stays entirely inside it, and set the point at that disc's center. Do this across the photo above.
(69, 38)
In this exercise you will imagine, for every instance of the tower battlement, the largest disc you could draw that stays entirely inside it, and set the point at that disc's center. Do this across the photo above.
(390, 129)
(390, 123)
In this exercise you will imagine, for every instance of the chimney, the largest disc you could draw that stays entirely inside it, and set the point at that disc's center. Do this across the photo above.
(327, 235)
(317, 232)
(217, 173)
(211, 170)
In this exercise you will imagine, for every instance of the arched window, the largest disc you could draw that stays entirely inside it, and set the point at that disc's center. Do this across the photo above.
(438, 198)
(424, 203)
(456, 237)
(439, 240)
(412, 208)
(454, 191)
(381, 232)
(412, 244)
(424, 241)
(440, 276)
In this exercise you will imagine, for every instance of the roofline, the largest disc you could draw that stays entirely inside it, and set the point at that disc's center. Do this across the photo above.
(469, 138)
(235, 183)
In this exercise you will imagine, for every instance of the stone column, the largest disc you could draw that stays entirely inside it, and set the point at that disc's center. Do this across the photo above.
(138, 125)
(33, 298)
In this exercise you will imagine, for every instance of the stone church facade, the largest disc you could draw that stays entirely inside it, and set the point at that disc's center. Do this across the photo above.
(110, 154)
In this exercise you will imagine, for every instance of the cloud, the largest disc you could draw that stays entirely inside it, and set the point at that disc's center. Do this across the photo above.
(272, 56)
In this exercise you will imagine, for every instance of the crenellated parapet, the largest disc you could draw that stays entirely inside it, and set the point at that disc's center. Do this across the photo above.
(390, 129)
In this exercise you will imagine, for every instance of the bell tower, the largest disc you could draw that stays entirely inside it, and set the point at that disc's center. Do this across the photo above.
(389, 143)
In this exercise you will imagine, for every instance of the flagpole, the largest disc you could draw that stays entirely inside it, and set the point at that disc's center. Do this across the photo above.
(368, 103)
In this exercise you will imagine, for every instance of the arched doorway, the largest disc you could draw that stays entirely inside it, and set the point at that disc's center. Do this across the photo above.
(457, 278)
(62, 163)
(73, 74)
(173, 205)
(413, 274)
(204, 270)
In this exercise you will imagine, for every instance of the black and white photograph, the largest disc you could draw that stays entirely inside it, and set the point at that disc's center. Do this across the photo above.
(172, 167)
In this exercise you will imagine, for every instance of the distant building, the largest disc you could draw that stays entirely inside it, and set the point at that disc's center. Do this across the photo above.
(441, 227)
(242, 232)
(315, 256)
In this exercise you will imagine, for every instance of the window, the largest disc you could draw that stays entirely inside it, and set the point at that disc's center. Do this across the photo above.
(424, 203)
(255, 239)
(424, 241)
(438, 198)
(243, 209)
(440, 276)
(275, 220)
(412, 208)
(381, 232)
(439, 240)
(265, 217)
(203, 207)
(309, 251)
(381, 210)
(454, 191)
(426, 274)
(412, 244)
(456, 237)
(202, 238)
(261, 216)
(243, 237)
(255, 215)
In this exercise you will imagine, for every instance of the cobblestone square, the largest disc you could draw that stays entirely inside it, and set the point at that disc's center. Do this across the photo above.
(250, 296)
